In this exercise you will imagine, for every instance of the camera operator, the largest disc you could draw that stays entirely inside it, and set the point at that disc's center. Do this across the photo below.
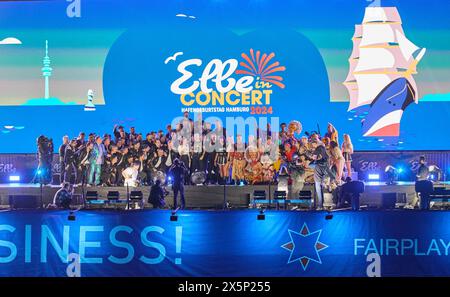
(45, 158)
(63, 196)
(70, 161)
(157, 194)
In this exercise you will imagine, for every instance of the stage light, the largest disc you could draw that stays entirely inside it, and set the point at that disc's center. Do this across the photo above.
(373, 176)
(39, 172)
(435, 173)
(71, 216)
(400, 169)
(391, 175)
(14, 178)
(174, 216)
(261, 216)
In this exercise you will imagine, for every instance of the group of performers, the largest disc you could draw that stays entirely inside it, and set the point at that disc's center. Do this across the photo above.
(210, 156)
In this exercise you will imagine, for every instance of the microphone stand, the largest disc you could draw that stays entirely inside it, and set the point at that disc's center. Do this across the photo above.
(224, 195)
(128, 197)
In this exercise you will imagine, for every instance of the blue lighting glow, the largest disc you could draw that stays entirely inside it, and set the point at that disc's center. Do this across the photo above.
(373, 176)
(14, 178)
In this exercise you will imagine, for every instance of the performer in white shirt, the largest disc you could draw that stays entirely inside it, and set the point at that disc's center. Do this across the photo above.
(131, 174)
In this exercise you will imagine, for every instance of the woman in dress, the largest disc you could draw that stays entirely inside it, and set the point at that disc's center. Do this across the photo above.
(332, 133)
(347, 151)
(337, 160)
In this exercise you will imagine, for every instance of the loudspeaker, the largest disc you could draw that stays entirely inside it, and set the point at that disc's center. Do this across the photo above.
(23, 201)
(259, 195)
(388, 200)
(113, 195)
(136, 195)
(305, 195)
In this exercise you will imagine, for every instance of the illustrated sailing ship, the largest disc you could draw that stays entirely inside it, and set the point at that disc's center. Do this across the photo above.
(382, 66)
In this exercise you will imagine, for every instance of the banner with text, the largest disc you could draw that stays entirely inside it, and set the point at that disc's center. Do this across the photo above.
(148, 243)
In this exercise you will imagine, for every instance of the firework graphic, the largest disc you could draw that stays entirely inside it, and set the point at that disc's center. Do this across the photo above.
(261, 67)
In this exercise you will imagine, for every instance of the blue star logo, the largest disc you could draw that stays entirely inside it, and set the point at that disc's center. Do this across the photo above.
(304, 246)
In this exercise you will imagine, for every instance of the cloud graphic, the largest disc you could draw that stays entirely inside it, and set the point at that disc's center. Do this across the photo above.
(10, 40)
(182, 15)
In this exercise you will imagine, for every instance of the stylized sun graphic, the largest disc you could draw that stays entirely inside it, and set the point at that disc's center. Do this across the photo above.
(304, 246)
(259, 67)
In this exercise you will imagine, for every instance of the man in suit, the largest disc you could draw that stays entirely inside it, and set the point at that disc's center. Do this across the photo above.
(62, 151)
(177, 172)
(96, 160)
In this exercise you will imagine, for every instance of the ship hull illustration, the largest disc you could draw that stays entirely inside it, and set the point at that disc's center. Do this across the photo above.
(387, 109)
(382, 65)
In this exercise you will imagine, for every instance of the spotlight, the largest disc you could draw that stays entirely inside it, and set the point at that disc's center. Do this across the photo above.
(435, 173)
(391, 175)
(14, 178)
(373, 176)
(39, 172)
(261, 216)
(71, 216)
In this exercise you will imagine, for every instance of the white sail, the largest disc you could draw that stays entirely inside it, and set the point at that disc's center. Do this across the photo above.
(377, 34)
(421, 54)
(350, 76)
(369, 86)
(407, 47)
(392, 14)
(352, 89)
(381, 53)
(374, 14)
(358, 31)
(375, 58)
(381, 14)
(355, 53)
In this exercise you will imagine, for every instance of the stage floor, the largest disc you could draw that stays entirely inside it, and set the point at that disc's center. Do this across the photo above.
(210, 196)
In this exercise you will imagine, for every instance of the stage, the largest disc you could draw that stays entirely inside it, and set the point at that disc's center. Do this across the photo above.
(224, 243)
(211, 196)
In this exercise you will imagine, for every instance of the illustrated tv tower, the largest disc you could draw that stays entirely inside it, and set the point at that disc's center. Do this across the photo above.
(46, 71)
